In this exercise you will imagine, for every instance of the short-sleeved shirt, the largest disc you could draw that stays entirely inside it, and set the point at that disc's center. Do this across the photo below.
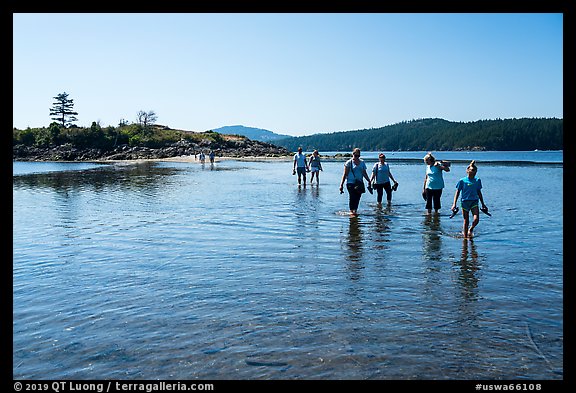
(315, 161)
(434, 180)
(382, 172)
(469, 188)
(300, 159)
(355, 172)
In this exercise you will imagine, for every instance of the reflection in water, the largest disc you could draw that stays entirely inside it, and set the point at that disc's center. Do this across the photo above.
(432, 241)
(302, 212)
(315, 192)
(313, 208)
(101, 190)
(354, 248)
(307, 211)
(468, 274)
(433, 256)
(382, 226)
(144, 175)
(300, 200)
(302, 196)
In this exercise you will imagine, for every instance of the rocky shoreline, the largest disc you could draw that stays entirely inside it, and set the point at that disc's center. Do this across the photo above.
(232, 148)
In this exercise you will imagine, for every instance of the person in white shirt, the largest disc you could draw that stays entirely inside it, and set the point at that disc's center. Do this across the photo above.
(300, 166)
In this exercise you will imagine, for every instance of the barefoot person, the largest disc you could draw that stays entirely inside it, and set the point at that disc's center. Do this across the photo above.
(470, 187)
(315, 167)
(300, 166)
(354, 175)
(380, 179)
(433, 181)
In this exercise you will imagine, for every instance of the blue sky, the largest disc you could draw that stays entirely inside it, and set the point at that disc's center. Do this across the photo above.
(295, 74)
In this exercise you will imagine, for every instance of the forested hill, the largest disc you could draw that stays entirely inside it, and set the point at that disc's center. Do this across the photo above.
(440, 134)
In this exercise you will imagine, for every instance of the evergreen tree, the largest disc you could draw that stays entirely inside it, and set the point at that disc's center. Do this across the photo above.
(62, 110)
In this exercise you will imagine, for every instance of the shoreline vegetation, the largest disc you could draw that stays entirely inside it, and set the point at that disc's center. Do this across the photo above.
(156, 142)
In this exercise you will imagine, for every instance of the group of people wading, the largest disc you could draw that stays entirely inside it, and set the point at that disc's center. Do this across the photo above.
(355, 171)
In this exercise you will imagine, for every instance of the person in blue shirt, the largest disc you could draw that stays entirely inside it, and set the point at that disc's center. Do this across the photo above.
(315, 167)
(354, 175)
(380, 179)
(470, 188)
(434, 181)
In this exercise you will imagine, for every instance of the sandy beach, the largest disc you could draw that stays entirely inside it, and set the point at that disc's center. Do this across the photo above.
(225, 158)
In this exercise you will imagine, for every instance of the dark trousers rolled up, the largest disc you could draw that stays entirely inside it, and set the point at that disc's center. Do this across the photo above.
(433, 197)
(383, 187)
(354, 197)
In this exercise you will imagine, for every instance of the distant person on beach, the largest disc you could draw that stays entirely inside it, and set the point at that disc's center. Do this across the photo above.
(354, 175)
(211, 155)
(380, 179)
(300, 166)
(434, 182)
(315, 167)
(470, 187)
(202, 157)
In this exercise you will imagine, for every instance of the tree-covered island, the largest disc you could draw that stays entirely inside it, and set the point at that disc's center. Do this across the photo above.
(62, 140)
(130, 142)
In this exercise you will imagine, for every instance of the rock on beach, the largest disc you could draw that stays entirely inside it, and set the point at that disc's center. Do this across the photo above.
(231, 148)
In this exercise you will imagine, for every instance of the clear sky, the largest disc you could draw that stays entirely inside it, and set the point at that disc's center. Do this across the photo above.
(296, 74)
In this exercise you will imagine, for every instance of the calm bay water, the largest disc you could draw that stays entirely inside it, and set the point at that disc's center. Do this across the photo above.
(174, 270)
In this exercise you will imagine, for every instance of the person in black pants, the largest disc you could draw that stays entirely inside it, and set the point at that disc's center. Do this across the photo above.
(434, 182)
(380, 179)
(354, 175)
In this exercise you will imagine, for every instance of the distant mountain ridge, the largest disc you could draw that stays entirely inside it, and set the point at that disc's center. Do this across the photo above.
(256, 134)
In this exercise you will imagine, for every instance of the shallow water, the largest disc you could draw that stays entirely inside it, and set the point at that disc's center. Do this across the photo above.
(179, 271)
